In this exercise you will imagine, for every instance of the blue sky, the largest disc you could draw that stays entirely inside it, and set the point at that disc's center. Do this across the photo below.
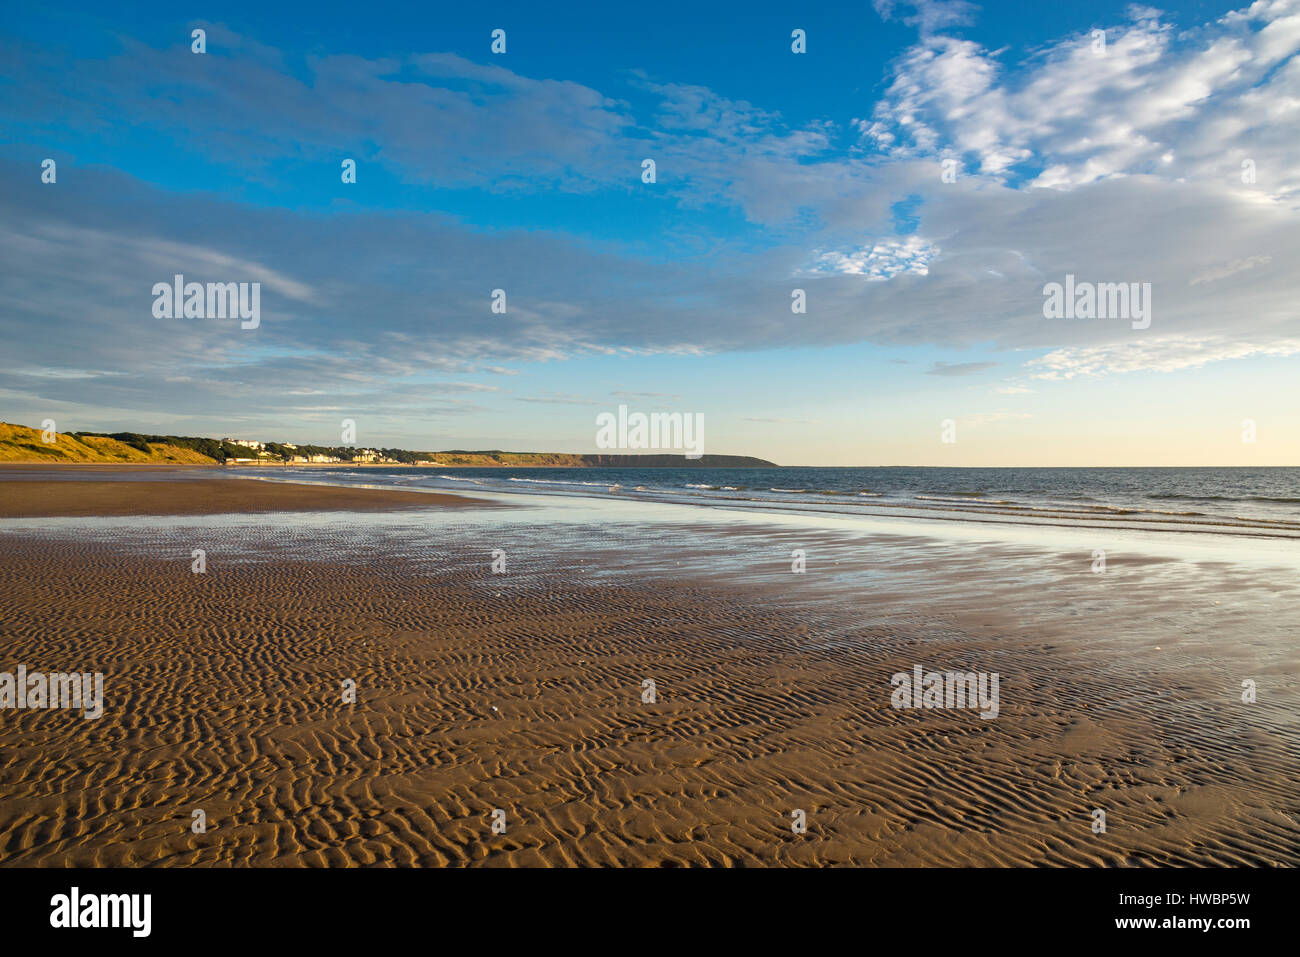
(776, 171)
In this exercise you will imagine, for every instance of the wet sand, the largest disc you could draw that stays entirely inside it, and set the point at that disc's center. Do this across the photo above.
(201, 496)
(523, 692)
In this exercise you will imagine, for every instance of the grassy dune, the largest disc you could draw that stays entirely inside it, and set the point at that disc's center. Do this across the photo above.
(18, 443)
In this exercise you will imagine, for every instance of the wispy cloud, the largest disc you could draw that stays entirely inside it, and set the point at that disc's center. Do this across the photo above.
(1159, 355)
(959, 368)
(928, 16)
(557, 399)
(1216, 273)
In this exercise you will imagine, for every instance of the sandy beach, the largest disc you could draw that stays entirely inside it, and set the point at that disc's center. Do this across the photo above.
(523, 692)
(200, 496)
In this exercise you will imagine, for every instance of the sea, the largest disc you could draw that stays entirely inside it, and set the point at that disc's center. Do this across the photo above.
(1242, 501)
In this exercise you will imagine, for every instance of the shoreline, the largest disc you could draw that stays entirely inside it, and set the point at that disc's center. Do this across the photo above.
(94, 491)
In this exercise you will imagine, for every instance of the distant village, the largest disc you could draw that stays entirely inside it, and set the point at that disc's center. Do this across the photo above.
(275, 453)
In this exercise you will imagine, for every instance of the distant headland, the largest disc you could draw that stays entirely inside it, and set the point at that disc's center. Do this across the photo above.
(20, 444)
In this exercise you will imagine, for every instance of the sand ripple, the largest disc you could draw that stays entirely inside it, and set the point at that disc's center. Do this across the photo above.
(479, 692)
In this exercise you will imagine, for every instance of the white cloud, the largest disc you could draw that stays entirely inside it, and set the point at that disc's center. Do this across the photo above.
(927, 15)
(1158, 355)
(1207, 98)
(1230, 269)
(881, 260)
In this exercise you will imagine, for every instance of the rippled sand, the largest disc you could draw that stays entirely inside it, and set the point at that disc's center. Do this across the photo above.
(522, 692)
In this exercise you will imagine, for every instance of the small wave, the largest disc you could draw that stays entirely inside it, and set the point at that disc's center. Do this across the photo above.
(557, 482)
(964, 498)
(1225, 498)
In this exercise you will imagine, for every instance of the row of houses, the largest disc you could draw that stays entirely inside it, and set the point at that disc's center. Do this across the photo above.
(362, 455)
(250, 444)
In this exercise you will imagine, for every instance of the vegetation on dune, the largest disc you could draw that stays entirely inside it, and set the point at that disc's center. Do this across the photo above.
(18, 443)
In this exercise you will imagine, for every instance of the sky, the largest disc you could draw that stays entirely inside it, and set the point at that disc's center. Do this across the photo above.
(922, 172)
